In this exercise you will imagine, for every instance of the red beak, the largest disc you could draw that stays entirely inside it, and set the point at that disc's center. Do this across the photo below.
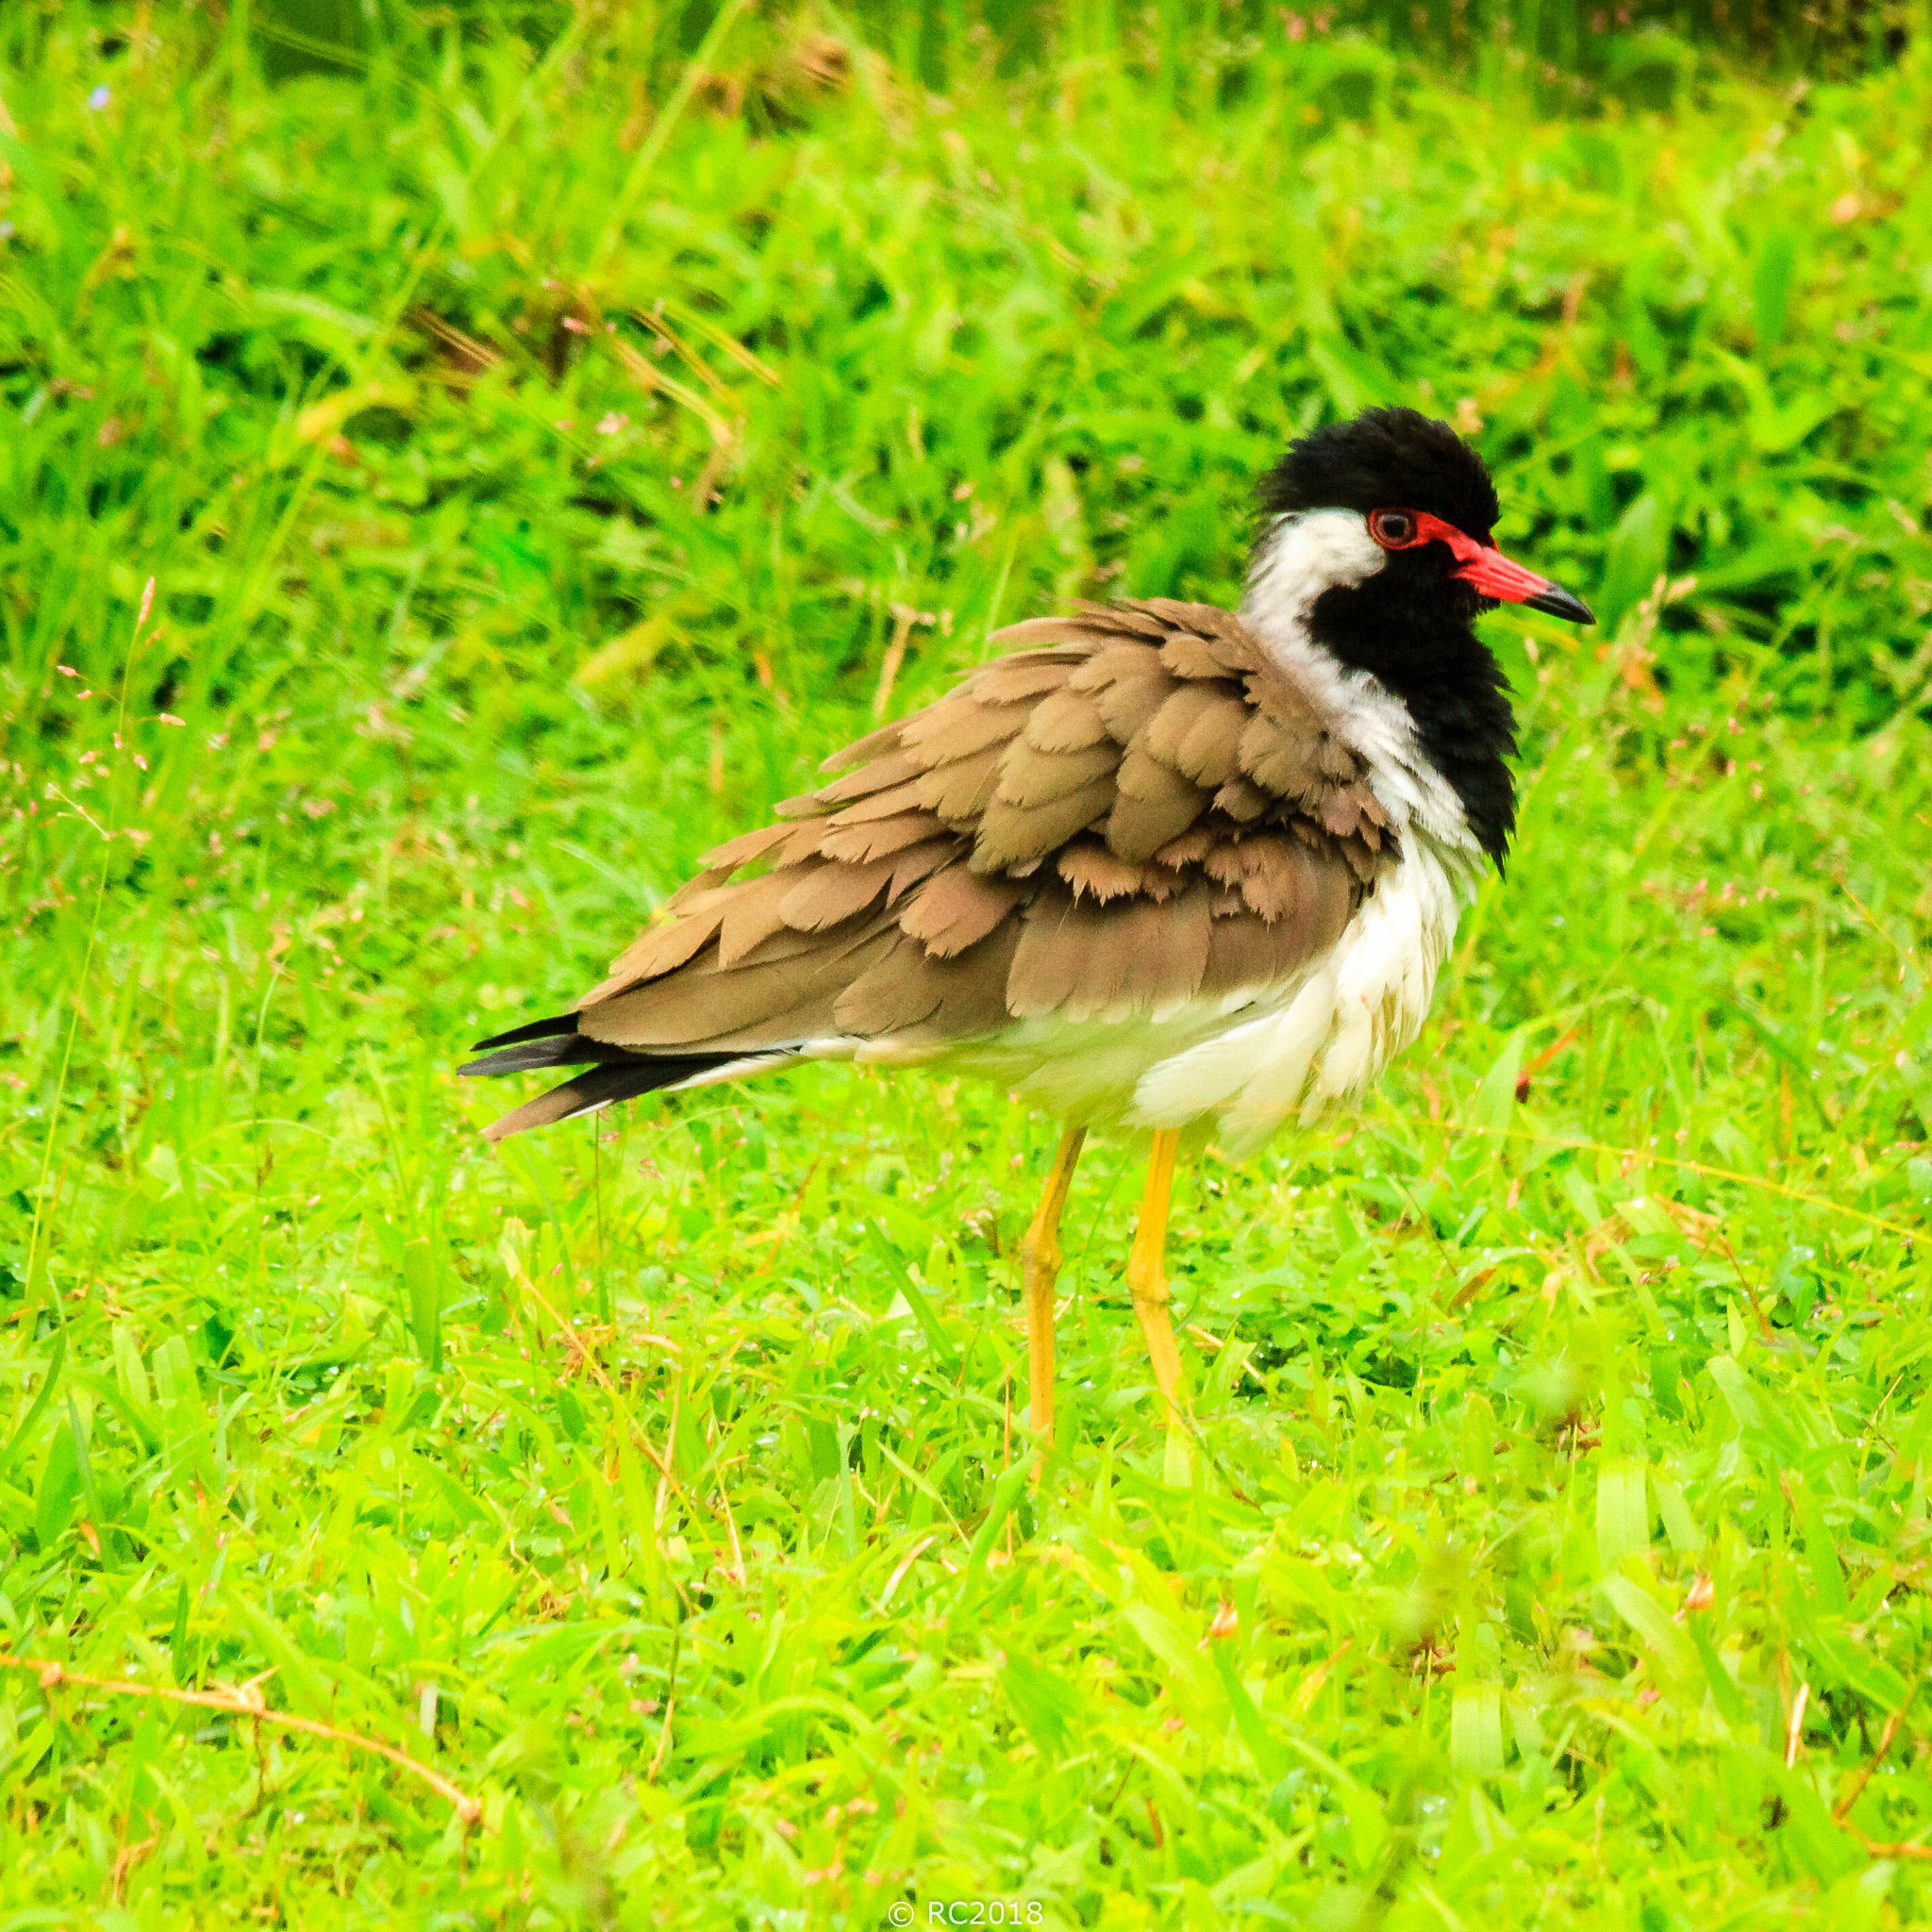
(1494, 576)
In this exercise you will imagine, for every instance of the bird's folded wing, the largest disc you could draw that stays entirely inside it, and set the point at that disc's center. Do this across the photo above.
(1132, 808)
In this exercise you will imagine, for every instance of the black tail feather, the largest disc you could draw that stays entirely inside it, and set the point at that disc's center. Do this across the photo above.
(616, 1073)
(560, 1050)
(533, 1057)
(543, 1043)
(557, 1026)
(622, 1079)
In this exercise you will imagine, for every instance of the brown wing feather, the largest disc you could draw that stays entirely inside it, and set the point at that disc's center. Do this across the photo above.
(917, 862)
(1065, 721)
(825, 896)
(1133, 807)
(752, 914)
(1163, 946)
(855, 844)
(959, 793)
(1154, 804)
(1030, 777)
(884, 804)
(913, 995)
(957, 908)
(1130, 704)
(1012, 837)
(742, 850)
(1035, 674)
(1245, 953)
(879, 775)
(960, 726)
(1243, 800)
(1090, 869)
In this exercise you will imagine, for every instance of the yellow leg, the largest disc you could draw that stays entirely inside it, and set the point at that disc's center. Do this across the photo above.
(1147, 1275)
(1039, 1265)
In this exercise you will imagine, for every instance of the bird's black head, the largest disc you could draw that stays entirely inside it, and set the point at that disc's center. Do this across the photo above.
(1376, 538)
(1386, 459)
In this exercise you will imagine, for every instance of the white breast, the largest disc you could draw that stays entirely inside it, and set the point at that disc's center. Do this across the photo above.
(1323, 1040)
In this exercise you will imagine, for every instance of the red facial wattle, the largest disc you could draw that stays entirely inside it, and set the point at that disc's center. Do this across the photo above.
(1481, 565)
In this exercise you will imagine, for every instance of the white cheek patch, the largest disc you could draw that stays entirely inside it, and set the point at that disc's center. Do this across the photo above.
(1306, 554)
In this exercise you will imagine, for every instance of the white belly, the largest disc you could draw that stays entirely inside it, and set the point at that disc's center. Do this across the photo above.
(1324, 1039)
(1252, 1061)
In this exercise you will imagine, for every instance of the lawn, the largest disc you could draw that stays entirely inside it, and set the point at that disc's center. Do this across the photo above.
(542, 447)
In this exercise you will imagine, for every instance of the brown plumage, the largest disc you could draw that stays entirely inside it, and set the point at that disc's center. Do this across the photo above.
(1133, 807)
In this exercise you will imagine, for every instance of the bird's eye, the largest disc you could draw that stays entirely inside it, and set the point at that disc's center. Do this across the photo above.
(1393, 529)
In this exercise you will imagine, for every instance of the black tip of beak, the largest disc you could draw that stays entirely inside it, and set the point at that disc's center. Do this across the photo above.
(1560, 602)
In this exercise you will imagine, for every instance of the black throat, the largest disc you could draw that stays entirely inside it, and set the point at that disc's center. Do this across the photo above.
(1421, 646)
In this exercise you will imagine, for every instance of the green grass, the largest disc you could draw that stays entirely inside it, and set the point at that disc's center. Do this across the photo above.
(657, 1486)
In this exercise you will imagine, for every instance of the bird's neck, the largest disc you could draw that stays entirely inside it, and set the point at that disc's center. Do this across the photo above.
(1318, 599)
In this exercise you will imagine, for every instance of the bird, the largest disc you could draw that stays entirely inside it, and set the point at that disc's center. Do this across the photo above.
(1155, 865)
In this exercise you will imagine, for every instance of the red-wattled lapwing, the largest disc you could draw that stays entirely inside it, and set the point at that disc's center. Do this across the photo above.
(1159, 866)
